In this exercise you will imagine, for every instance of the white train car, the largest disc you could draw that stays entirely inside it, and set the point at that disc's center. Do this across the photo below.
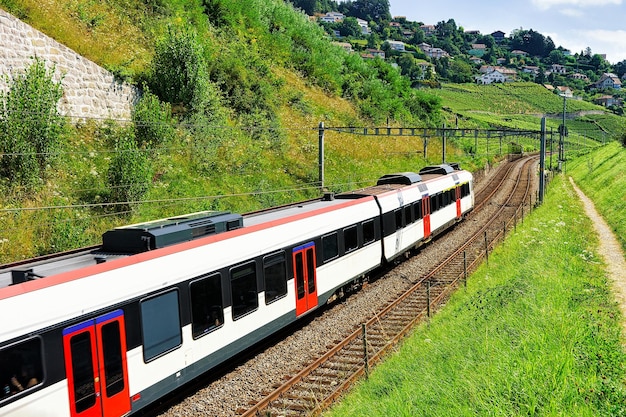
(107, 331)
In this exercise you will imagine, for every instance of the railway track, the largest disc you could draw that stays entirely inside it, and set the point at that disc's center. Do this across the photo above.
(317, 385)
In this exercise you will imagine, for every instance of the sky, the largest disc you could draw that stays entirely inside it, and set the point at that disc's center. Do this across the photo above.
(572, 24)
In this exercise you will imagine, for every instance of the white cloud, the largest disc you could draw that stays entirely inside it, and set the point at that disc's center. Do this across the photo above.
(547, 4)
(572, 12)
(601, 41)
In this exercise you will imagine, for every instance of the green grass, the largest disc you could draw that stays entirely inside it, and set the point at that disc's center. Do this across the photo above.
(600, 174)
(536, 333)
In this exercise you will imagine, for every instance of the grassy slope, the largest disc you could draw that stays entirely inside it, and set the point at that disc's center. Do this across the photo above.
(600, 174)
(536, 333)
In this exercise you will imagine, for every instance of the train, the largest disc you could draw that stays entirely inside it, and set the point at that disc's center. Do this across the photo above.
(106, 331)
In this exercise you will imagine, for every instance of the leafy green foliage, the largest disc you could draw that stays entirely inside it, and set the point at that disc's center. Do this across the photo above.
(179, 70)
(152, 121)
(129, 174)
(30, 124)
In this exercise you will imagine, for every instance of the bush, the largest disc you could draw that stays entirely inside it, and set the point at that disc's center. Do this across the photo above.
(152, 121)
(30, 124)
(129, 174)
(178, 69)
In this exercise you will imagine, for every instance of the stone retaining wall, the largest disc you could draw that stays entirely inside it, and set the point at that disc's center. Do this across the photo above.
(89, 90)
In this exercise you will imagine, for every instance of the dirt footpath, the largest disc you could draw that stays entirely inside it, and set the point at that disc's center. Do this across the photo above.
(611, 252)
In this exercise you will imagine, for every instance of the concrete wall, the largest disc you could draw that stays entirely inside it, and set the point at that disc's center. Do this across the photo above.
(89, 90)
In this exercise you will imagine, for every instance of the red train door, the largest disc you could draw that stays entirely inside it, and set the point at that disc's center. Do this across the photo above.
(426, 214)
(95, 363)
(457, 196)
(305, 278)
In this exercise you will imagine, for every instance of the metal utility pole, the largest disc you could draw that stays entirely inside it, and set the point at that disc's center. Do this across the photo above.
(321, 155)
(542, 161)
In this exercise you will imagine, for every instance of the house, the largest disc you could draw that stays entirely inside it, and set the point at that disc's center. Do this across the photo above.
(478, 49)
(579, 76)
(501, 61)
(428, 29)
(498, 36)
(530, 69)
(431, 52)
(365, 29)
(608, 80)
(493, 76)
(396, 45)
(476, 61)
(396, 25)
(559, 69)
(608, 101)
(564, 91)
(345, 45)
(373, 53)
(332, 17)
(425, 67)
(518, 52)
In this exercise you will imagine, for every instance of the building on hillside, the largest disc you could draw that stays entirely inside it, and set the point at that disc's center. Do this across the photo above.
(579, 76)
(477, 61)
(396, 45)
(498, 36)
(608, 80)
(428, 29)
(565, 91)
(365, 29)
(608, 101)
(431, 52)
(478, 49)
(558, 69)
(518, 52)
(332, 17)
(376, 53)
(345, 45)
(530, 69)
(494, 76)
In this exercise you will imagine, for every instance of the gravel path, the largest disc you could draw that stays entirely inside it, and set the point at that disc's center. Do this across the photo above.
(610, 250)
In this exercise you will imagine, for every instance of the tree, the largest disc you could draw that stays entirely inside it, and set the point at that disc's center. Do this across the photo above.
(376, 10)
(350, 27)
(30, 124)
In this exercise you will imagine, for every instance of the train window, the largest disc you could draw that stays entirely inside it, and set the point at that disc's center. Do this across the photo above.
(408, 214)
(417, 210)
(310, 267)
(243, 289)
(398, 215)
(82, 369)
(351, 238)
(112, 357)
(330, 247)
(275, 273)
(451, 196)
(465, 190)
(434, 202)
(21, 367)
(207, 309)
(299, 274)
(369, 233)
(160, 324)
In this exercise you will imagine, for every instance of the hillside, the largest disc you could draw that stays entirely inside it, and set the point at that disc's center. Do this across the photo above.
(241, 132)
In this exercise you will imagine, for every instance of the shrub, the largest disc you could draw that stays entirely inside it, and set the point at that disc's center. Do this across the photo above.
(152, 121)
(30, 124)
(129, 174)
(177, 68)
